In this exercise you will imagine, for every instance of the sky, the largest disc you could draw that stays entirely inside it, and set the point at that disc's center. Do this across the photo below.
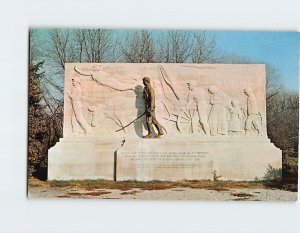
(279, 49)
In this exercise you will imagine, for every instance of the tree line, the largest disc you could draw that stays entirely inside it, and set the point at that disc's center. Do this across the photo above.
(52, 48)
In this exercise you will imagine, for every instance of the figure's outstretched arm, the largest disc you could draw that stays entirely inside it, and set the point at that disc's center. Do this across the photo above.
(101, 82)
(81, 73)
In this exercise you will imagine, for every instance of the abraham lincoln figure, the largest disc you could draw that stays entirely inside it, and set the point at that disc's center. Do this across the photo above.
(149, 96)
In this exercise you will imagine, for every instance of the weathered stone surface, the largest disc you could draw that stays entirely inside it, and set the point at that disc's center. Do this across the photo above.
(114, 97)
(196, 159)
(84, 158)
(213, 116)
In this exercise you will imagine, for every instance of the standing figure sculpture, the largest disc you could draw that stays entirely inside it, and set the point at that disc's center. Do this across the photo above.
(197, 102)
(76, 99)
(253, 115)
(149, 96)
(236, 117)
(217, 117)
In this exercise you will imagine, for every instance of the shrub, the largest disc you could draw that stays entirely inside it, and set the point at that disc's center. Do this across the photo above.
(273, 177)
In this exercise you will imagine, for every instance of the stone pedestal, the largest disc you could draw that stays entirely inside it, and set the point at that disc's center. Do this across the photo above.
(82, 158)
(161, 159)
(196, 159)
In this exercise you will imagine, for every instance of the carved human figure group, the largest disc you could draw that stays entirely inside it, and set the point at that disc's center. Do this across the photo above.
(217, 122)
(225, 116)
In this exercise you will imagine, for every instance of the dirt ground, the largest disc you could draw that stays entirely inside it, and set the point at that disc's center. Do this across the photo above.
(185, 190)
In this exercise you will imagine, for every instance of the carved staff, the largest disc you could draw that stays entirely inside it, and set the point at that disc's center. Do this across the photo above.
(135, 121)
(131, 122)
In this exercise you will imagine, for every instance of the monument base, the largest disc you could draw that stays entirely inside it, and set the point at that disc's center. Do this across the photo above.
(195, 159)
(82, 158)
(162, 159)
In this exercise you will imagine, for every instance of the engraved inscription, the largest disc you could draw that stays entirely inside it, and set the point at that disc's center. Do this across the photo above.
(170, 159)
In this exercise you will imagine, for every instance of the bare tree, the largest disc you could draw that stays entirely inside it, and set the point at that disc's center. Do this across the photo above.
(283, 120)
(79, 45)
(93, 45)
(34, 51)
(233, 58)
(274, 81)
(175, 46)
(60, 48)
(114, 53)
(138, 47)
(204, 50)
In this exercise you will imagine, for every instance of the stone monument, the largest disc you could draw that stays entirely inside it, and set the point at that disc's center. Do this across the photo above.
(210, 119)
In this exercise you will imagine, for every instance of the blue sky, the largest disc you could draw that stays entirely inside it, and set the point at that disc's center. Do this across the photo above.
(279, 49)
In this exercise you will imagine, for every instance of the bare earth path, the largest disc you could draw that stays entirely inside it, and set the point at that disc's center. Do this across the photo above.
(160, 191)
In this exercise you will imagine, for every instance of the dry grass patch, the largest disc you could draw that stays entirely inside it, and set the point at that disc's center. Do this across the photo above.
(84, 194)
(241, 199)
(97, 193)
(157, 185)
(33, 182)
(219, 189)
(133, 192)
(221, 185)
(64, 196)
(75, 194)
(242, 196)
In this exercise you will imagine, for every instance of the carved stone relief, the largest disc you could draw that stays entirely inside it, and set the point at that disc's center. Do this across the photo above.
(197, 108)
(191, 100)
(76, 97)
(254, 118)
(217, 117)
(236, 119)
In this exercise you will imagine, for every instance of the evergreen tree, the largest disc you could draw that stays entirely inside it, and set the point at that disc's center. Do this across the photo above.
(37, 119)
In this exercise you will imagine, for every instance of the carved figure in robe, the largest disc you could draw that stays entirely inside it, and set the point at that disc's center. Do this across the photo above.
(217, 116)
(236, 117)
(197, 103)
(76, 99)
(253, 115)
